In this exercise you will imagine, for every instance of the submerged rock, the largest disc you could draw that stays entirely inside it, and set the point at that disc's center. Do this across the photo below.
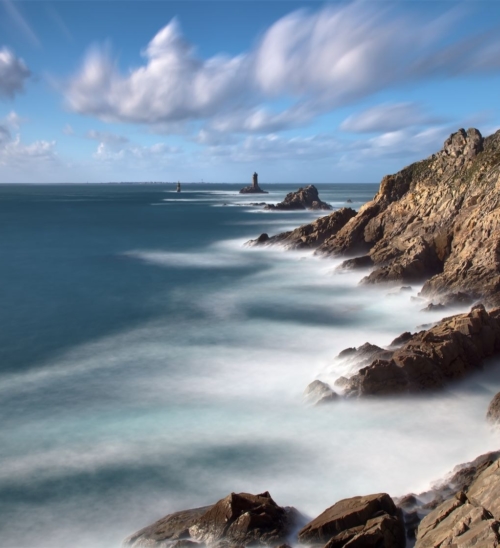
(305, 198)
(319, 392)
(367, 521)
(237, 520)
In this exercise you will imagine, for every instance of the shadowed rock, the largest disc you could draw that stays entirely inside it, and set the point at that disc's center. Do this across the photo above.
(311, 235)
(319, 392)
(450, 350)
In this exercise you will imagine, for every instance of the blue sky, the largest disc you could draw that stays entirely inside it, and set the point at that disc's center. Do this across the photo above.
(302, 92)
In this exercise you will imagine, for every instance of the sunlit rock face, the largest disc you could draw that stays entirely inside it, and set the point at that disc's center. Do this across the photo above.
(437, 220)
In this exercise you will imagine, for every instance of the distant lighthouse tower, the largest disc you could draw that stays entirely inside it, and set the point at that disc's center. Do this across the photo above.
(255, 181)
(178, 187)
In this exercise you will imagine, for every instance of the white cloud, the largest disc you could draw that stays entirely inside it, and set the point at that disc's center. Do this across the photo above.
(13, 73)
(20, 21)
(313, 60)
(387, 117)
(15, 153)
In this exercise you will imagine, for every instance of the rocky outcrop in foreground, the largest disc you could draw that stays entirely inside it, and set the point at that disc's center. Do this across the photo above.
(304, 198)
(309, 236)
(237, 520)
(427, 360)
(462, 511)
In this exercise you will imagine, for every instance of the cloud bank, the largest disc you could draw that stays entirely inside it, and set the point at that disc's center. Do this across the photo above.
(314, 61)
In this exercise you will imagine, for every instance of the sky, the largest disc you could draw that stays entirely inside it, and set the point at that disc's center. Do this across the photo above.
(200, 90)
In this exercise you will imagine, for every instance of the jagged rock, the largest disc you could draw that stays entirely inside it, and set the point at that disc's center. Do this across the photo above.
(170, 528)
(254, 188)
(364, 354)
(319, 392)
(357, 262)
(493, 414)
(402, 339)
(448, 351)
(468, 519)
(311, 235)
(305, 198)
(237, 520)
(368, 521)
(437, 220)
(415, 507)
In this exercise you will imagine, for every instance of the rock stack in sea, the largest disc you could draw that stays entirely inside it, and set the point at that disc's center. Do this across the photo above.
(254, 188)
(305, 198)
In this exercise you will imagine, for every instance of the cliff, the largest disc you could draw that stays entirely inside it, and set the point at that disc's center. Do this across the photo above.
(437, 221)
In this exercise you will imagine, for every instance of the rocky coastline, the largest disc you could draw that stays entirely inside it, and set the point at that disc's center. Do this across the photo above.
(436, 222)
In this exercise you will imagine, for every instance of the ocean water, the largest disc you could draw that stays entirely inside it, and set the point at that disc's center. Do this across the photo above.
(150, 362)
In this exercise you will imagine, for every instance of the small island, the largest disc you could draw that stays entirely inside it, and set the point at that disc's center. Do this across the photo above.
(254, 188)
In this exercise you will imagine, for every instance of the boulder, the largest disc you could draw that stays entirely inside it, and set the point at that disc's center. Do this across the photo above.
(365, 261)
(305, 198)
(366, 521)
(237, 520)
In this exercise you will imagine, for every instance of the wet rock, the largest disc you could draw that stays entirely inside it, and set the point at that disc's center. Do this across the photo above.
(305, 198)
(367, 521)
(319, 392)
(450, 350)
(493, 414)
(348, 201)
(237, 520)
(402, 339)
(364, 261)
(311, 235)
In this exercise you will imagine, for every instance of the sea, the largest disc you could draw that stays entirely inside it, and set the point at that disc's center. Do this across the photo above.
(152, 362)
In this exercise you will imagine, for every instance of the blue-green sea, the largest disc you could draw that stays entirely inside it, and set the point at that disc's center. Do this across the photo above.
(151, 362)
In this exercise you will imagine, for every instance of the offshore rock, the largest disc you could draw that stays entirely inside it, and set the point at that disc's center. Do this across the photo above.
(311, 235)
(367, 521)
(449, 351)
(254, 188)
(305, 198)
(237, 520)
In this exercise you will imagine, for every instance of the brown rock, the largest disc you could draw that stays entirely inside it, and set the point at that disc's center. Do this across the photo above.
(237, 520)
(311, 235)
(170, 528)
(371, 517)
(305, 198)
(448, 351)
